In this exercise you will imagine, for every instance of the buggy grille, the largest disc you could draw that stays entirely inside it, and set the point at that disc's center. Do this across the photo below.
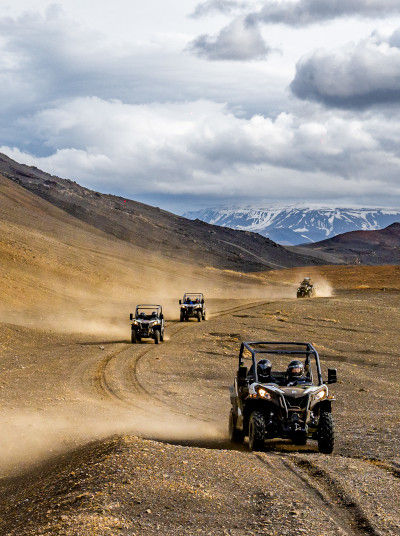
(296, 403)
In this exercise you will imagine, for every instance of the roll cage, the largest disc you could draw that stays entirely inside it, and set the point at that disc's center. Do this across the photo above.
(193, 296)
(143, 308)
(260, 348)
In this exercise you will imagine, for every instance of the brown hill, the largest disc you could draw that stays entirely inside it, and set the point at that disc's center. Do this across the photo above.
(359, 247)
(154, 229)
(54, 264)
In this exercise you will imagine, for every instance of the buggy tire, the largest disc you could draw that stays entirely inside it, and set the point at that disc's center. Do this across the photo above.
(326, 433)
(156, 336)
(161, 337)
(199, 316)
(134, 339)
(181, 317)
(235, 435)
(256, 431)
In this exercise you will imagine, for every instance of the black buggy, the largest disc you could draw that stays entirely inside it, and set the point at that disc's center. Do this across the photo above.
(147, 323)
(192, 306)
(306, 289)
(293, 404)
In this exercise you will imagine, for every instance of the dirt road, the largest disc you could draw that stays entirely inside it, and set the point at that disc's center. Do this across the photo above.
(59, 392)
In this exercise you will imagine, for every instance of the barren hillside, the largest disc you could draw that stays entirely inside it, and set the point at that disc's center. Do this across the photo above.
(156, 230)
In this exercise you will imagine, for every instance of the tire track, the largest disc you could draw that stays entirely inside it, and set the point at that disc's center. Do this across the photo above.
(112, 372)
(342, 509)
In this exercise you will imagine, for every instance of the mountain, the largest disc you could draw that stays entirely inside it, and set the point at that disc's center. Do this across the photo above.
(154, 230)
(292, 226)
(360, 247)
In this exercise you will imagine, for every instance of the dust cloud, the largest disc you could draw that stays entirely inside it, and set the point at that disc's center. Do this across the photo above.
(28, 437)
(323, 288)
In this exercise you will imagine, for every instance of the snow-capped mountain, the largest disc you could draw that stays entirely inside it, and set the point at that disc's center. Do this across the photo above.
(293, 225)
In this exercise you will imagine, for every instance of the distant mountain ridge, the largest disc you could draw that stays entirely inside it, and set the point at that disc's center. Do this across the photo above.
(294, 225)
(359, 247)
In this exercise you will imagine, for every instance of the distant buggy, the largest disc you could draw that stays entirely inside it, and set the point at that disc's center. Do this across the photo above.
(147, 323)
(289, 404)
(192, 306)
(306, 289)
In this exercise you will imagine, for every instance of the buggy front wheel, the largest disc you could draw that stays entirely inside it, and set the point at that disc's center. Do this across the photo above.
(133, 337)
(326, 433)
(157, 336)
(199, 316)
(256, 431)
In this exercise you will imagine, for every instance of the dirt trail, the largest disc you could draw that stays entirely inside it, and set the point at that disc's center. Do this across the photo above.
(70, 390)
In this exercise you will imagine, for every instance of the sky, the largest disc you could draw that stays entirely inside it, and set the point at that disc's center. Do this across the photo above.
(195, 104)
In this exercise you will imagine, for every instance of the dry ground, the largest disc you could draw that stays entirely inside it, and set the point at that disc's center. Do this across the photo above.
(60, 391)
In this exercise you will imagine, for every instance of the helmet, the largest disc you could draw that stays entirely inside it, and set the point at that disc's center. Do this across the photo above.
(264, 369)
(295, 369)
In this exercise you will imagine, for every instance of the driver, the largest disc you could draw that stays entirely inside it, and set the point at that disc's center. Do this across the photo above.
(295, 373)
(264, 371)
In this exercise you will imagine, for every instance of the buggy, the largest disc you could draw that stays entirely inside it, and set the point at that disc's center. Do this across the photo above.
(278, 408)
(192, 306)
(147, 323)
(306, 289)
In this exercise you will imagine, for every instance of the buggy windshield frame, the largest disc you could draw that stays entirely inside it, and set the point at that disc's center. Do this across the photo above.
(301, 349)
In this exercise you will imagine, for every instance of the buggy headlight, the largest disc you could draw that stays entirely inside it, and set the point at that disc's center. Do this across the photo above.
(263, 393)
(321, 395)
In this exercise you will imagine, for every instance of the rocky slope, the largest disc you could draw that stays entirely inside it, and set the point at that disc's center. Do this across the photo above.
(360, 247)
(156, 230)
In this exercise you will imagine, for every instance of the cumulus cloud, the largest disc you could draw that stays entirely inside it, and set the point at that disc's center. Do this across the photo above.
(223, 6)
(241, 40)
(202, 149)
(304, 12)
(301, 12)
(52, 57)
(356, 76)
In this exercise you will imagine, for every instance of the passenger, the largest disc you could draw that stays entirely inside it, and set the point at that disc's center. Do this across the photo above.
(295, 373)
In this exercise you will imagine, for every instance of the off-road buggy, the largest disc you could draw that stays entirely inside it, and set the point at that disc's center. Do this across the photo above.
(147, 323)
(279, 408)
(192, 306)
(306, 289)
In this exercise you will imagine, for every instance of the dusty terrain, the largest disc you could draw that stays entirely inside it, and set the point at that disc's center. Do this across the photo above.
(100, 437)
(181, 477)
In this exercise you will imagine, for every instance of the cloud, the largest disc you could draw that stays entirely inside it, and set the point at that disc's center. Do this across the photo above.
(241, 40)
(223, 6)
(355, 76)
(52, 58)
(305, 12)
(200, 149)
(301, 12)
